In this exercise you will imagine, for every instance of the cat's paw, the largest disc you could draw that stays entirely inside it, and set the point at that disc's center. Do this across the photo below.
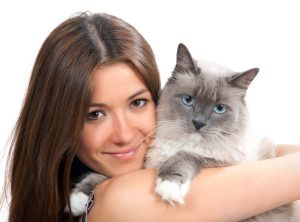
(78, 202)
(172, 191)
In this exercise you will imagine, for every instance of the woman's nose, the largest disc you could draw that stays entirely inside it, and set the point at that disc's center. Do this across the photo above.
(123, 130)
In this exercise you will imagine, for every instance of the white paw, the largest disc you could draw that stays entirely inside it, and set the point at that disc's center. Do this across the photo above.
(78, 201)
(171, 191)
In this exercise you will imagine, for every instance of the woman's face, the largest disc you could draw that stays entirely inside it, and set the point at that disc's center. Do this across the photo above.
(120, 120)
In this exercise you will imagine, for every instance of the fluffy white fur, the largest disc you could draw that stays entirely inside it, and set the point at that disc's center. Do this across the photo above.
(78, 201)
(171, 191)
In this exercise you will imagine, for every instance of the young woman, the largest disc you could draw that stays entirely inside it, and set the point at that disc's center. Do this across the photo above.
(90, 105)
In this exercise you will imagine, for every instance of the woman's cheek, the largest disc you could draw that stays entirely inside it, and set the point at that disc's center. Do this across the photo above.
(150, 120)
(93, 137)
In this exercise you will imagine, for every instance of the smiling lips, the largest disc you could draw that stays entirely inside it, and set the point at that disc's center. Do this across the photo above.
(123, 155)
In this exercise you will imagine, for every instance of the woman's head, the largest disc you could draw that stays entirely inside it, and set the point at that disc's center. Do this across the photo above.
(120, 119)
(59, 95)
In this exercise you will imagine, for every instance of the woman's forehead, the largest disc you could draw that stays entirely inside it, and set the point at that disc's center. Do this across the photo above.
(115, 81)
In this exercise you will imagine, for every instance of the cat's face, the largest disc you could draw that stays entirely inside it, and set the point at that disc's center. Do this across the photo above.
(203, 100)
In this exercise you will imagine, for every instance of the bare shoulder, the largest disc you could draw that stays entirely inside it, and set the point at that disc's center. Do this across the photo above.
(124, 198)
(131, 197)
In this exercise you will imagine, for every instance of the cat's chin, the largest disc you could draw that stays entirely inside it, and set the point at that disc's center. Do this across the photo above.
(195, 137)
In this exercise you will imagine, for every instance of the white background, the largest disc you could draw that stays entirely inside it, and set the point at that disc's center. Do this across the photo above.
(237, 34)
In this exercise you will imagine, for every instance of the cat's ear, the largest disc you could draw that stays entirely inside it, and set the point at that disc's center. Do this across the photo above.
(244, 79)
(185, 61)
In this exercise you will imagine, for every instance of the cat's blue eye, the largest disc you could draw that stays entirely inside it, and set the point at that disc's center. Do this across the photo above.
(188, 100)
(95, 115)
(220, 108)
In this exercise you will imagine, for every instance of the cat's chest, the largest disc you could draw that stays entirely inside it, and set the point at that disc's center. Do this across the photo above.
(162, 149)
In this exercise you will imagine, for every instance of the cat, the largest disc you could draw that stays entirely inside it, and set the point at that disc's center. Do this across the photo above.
(202, 122)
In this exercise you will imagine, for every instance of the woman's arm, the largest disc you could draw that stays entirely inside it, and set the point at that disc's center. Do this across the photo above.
(285, 149)
(217, 194)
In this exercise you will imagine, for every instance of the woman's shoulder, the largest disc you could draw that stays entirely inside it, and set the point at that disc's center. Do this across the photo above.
(129, 194)
(126, 186)
(131, 197)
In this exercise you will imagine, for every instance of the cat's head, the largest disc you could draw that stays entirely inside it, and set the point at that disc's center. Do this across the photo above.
(203, 99)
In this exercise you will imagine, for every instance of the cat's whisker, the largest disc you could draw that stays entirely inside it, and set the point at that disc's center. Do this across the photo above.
(233, 134)
(218, 138)
(167, 130)
(173, 124)
(226, 138)
(225, 145)
(170, 124)
(237, 148)
(222, 142)
(140, 139)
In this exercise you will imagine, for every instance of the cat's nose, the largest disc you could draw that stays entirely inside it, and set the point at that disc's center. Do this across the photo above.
(198, 124)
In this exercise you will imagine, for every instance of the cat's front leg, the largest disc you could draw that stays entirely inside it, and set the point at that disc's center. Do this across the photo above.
(176, 174)
(80, 194)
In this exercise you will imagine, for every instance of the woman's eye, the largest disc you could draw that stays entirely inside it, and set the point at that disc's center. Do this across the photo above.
(220, 108)
(188, 100)
(95, 115)
(138, 103)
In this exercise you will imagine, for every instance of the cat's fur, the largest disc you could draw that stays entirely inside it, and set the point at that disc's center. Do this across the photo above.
(202, 122)
(190, 137)
(195, 131)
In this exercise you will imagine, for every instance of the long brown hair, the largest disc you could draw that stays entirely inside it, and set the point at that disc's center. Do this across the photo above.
(48, 130)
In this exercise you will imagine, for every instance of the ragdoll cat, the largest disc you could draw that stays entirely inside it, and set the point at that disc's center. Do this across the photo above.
(202, 122)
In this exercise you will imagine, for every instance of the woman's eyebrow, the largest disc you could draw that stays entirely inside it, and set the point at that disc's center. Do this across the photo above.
(97, 105)
(142, 91)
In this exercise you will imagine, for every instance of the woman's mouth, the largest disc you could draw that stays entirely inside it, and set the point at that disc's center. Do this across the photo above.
(123, 155)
